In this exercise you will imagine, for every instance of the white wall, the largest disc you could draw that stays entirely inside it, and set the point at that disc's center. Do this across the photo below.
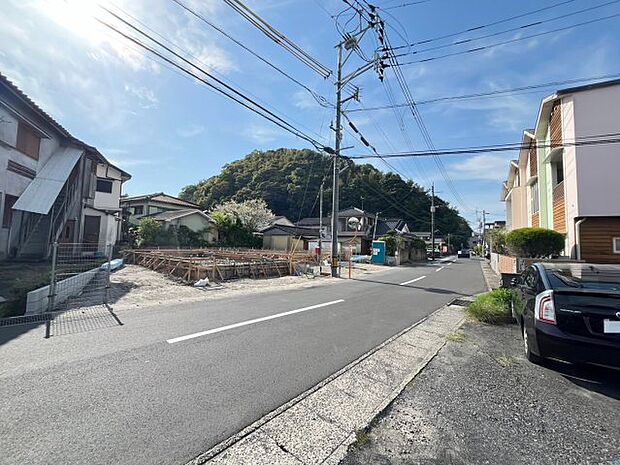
(104, 200)
(570, 172)
(597, 166)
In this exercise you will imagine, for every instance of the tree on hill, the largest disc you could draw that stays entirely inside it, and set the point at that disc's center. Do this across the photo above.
(288, 180)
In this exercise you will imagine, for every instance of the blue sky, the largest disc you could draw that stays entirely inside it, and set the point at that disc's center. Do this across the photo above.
(168, 131)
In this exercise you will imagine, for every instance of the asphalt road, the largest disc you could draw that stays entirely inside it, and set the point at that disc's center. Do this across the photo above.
(142, 393)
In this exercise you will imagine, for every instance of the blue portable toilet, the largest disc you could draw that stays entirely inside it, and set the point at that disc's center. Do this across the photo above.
(378, 252)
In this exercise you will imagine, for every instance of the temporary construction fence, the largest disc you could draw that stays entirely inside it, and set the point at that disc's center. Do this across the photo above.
(79, 278)
(191, 265)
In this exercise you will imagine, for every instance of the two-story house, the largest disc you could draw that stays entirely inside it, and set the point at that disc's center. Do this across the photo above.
(136, 207)
(565, 182)
(53, 187)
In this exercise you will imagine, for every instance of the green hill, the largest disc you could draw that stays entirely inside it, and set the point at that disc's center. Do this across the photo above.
(289, 180)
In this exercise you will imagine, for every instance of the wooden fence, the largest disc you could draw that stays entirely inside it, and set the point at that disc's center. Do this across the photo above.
(192, 265)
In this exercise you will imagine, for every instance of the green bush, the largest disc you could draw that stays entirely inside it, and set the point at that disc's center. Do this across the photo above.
(535, 242)
(392, 244)
(492, 307)
(497, 239)
(418, 244)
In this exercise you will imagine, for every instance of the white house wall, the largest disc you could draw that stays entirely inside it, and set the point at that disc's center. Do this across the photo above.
(104, 200)
(598, 188)
(570, 172)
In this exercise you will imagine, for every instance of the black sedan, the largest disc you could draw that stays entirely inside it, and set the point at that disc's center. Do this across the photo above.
(570, 312)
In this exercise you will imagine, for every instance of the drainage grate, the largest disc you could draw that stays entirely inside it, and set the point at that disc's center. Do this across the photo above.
(25, 320)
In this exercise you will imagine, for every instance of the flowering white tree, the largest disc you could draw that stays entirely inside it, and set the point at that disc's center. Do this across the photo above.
(252, 214)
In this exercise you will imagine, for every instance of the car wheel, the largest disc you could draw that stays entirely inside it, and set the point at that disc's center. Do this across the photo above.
(532, 357)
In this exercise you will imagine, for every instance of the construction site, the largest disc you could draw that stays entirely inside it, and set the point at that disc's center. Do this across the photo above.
(192, 265)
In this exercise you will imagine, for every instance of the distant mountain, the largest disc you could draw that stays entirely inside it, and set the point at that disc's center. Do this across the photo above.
(289, 181)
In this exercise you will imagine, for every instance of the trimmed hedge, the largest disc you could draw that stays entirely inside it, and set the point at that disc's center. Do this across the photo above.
(535, 242)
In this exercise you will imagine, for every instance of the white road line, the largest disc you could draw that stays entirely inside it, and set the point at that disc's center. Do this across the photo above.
(251, 322)
(412, 281)
(439, 269)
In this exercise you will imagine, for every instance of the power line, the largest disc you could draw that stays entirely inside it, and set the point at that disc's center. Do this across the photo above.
(603, 139)
(279, 38)
(319, 98)
(505, 31)
(490, 93)
(237, 96)
(420, 122)
(506, 42)
(494, 23)
(403, 5)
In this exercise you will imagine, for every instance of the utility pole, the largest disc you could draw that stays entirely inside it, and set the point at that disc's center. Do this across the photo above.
(336, 169)
(484, 226)
(374, 230)
(350, 44)
(433, 222)
(321, 229)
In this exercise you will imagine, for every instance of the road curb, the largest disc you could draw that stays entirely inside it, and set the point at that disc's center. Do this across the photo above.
(377, 367)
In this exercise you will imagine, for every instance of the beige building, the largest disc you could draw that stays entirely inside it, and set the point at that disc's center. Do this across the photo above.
(566, 178)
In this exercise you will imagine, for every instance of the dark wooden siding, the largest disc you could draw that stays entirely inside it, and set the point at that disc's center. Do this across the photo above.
(559, 210)
(596, 236)
(533, 160)
(555, 124)
(536, 220)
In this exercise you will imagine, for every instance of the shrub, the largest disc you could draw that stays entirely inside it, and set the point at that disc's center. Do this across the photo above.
(392, 244)
(497, 239)
(418, 244)
(492, 307)
(535, 242)
(147, 232)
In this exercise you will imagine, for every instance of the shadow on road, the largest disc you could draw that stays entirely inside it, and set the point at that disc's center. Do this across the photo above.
(434, 290)
(604, 381)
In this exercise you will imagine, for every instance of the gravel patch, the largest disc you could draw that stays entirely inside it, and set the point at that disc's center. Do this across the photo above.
(480, 402)
(134, 286)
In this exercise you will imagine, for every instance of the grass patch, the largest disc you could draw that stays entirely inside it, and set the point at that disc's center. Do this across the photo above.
(361, 438)
(506, 360)
(16, 280)
(492, 307)
(456, 337)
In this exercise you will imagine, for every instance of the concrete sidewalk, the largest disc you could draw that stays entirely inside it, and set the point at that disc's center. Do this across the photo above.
(318, 426)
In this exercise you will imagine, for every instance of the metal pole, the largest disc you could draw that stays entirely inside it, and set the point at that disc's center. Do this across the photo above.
(52, 291)
(336, 172)
(374, 229)
(106, 296)
(484, 240)
(433, 222)
(321, 229)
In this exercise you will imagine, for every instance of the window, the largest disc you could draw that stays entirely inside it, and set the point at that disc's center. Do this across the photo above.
(28, 141)
(616, 244)
(9, 201)
(138, 210)
(104, 185)
(558, 172)
(535, 201)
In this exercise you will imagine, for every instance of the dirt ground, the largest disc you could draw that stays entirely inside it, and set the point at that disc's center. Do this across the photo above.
(134, 286)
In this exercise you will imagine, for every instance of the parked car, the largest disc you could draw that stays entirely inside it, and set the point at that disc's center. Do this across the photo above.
(464, 253)
(570, 312)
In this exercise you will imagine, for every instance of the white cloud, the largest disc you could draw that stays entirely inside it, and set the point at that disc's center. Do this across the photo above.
(146, 97)
(482, 167)
(192, 130)
(262, 134)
